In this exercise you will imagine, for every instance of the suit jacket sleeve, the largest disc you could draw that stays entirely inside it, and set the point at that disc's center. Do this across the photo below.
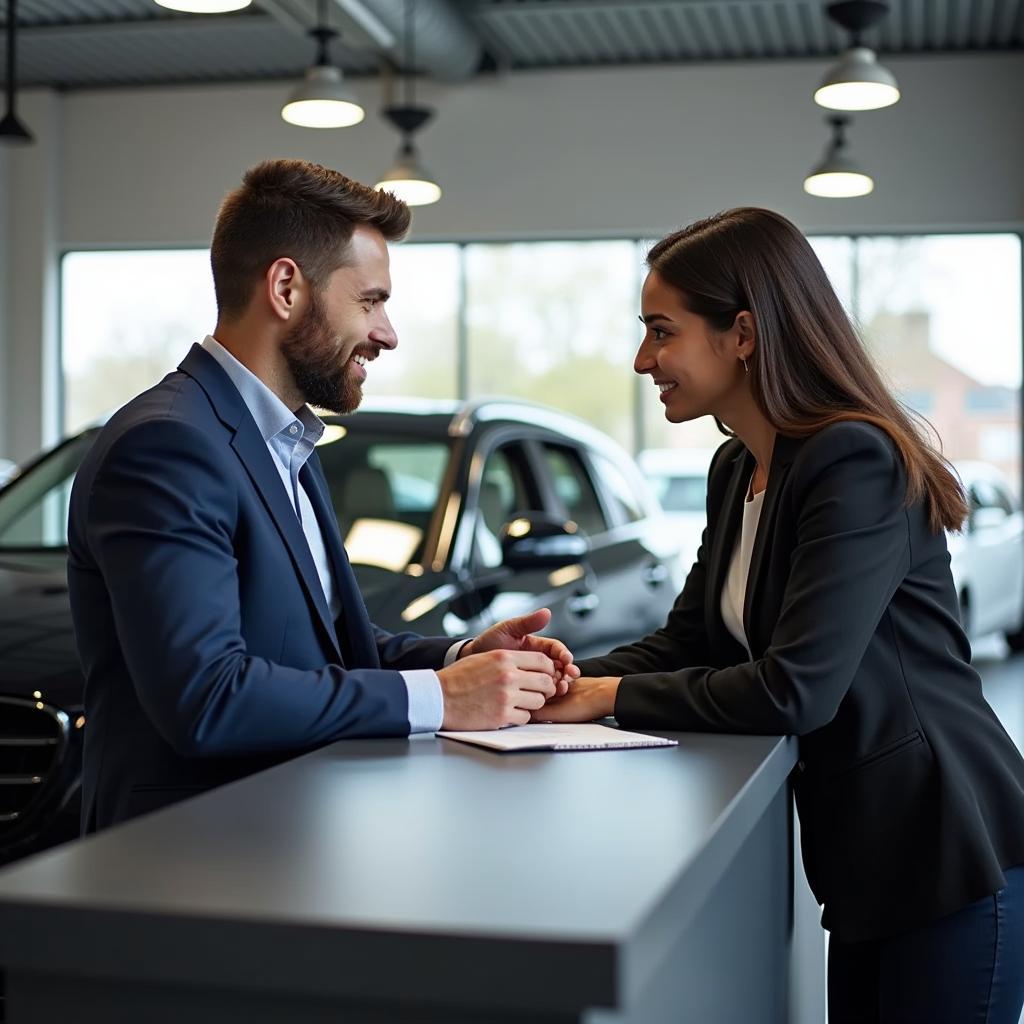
(852, 550)
(404, 651)
(160, 527)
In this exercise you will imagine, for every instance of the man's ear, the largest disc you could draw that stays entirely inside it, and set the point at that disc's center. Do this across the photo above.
(746, 334)
(284, 287)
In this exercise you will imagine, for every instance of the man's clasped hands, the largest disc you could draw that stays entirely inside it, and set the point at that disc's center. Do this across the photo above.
(527, 678)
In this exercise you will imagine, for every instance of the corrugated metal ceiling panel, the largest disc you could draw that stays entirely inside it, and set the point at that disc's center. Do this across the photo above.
(58, 12)
(734, 29)
(87, 42)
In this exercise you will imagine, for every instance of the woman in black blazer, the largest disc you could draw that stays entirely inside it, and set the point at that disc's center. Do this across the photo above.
(821, 604)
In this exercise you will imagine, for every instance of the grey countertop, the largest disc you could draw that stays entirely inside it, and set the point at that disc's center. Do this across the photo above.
(373, 860)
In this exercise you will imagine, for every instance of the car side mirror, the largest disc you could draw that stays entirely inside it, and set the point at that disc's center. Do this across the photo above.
(985, 518)
(535, 540)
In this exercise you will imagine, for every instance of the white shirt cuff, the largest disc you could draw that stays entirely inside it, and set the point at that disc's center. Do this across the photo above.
(426, 702)
(453, 651)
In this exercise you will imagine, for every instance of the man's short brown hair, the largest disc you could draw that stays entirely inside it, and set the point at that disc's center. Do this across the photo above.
(296, 209)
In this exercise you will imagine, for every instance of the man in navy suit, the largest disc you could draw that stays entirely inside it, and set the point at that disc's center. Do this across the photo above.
(217, 618)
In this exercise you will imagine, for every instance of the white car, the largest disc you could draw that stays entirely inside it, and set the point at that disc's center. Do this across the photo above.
(679, 479)
(987, 558)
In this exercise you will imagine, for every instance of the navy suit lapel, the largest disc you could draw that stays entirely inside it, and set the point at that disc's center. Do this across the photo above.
(254, 455)
(354, 620)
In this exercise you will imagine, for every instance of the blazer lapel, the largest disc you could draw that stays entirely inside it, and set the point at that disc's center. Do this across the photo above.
(353, 620)
(783, 452)
(254, 455)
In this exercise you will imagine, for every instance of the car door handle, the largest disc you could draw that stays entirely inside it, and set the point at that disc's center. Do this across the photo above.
(582, 603)
(655, 574)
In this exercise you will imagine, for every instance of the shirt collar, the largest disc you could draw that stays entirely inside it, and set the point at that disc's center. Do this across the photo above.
(272, 416)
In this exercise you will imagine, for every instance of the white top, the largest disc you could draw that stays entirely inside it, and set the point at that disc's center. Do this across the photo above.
(735, 588)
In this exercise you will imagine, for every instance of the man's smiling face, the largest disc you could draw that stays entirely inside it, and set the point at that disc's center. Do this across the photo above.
(345, 327)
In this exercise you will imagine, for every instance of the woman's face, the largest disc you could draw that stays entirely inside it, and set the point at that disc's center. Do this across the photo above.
(697, 370)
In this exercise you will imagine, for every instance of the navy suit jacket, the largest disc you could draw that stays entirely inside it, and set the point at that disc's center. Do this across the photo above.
(910, 792)
(204, 634)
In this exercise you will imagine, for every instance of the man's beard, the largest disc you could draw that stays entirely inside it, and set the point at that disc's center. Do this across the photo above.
(310, 349)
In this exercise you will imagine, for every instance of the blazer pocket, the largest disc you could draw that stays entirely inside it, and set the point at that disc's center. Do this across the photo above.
(881, 754)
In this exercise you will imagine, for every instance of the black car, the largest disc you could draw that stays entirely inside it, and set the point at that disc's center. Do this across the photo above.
(454, 517)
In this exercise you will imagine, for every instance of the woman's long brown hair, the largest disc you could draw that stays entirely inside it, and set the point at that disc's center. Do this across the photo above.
(809, 368)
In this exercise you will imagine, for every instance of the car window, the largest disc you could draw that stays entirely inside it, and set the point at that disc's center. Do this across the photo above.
(384, 488)
(34, 507)
(618, 490)
(573, 486)
(504, 491)
(681, 492)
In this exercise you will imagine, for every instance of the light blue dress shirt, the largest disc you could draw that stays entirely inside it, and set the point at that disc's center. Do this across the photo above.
(291, 437)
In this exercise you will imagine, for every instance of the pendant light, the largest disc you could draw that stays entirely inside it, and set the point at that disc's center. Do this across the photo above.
(322, 100)
(857, 81)
(204, 6)
(12, 131)
(408, 179)
(837, 176)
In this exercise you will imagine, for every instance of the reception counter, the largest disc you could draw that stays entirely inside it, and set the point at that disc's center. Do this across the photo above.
(425, 880)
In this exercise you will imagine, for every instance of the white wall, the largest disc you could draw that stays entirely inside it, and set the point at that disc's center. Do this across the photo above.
(554, 154)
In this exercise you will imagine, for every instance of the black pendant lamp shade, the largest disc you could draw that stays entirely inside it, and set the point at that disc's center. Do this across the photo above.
(407, 178)
(837, 176)
(857, 81)
(12, 131)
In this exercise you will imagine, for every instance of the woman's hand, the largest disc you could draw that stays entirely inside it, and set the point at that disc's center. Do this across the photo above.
(518, 635)
(586, 700)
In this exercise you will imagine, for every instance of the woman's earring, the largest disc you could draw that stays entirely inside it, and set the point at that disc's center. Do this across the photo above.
(746, 369)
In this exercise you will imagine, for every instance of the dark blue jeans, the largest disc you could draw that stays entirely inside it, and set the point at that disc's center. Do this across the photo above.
(967, 968)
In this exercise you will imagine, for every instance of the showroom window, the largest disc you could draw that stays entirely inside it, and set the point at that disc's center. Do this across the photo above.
(127, 319)
(555, 322)
(942, 315)
(424, 310)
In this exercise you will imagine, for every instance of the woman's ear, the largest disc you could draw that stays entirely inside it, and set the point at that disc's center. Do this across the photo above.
(746, 334)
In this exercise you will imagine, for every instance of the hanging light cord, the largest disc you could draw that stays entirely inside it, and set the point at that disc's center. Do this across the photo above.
(323, 34)
(410, 56)
(12, 17)
(839, 123)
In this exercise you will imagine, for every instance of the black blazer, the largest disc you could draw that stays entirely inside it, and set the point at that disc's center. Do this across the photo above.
(910, 792)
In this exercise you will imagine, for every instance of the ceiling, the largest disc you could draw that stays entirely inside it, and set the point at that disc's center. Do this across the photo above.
(89, 43)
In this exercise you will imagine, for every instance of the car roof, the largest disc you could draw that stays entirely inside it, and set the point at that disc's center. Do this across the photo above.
(460, 418)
